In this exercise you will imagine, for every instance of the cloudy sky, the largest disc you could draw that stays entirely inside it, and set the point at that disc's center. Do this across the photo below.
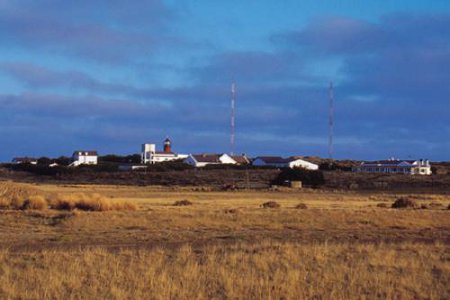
(110, 75)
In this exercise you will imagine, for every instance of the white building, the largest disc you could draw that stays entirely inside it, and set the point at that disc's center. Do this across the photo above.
(84, 157)
(393, 166)
(149, 155)
(280, 162)
(202, 160)
(24, 160)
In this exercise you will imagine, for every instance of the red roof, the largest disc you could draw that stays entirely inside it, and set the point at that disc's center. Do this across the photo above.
(240, 159)
(207, 158)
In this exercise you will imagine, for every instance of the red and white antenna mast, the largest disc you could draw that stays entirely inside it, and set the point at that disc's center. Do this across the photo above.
(232, 120)
(331, 121)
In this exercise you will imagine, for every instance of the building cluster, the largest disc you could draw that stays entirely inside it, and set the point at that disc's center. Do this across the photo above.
(395, 166)
(149, 155)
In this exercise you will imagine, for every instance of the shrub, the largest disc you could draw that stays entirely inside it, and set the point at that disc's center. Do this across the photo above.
(307, 177)
(301, 206)
(404, 203)
(4, 203)
(94, 202)
(231, 211)
(182, 203)
(423, 206)
(382, 205)
(270, 204)
(17, 202)
(35, 202)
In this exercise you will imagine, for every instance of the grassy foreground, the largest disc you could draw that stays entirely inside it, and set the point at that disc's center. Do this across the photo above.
(313, 244)
(269, 270)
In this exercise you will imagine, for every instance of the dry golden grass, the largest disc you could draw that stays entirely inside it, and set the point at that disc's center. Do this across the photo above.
(25, 196)
(92, 202)
(342, 247)
(268, 270)
(35, 202)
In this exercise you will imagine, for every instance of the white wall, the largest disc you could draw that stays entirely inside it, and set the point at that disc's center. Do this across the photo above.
(299, 163)
(84, 159)
(226, 159)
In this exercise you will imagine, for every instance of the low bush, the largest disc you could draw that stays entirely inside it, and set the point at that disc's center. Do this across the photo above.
(35, 202)
(382, 205)
(17, 202)
(301, 206)
(424, 206)
(270, 204)
(94, 202)
(404, 203)
(4, 203)
(231, 211)
(182, 203)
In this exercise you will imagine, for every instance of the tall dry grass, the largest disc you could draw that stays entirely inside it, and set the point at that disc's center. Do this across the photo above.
(269, 270)
(22, 196)
(86, 202)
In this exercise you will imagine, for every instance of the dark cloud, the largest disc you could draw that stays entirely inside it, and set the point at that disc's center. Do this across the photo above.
(252, 67)
(107, 31)
(393, 90)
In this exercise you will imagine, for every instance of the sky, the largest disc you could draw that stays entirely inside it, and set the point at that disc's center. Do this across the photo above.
(109, 75)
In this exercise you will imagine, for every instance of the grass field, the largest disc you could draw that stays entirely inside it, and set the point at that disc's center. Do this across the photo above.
(225, 245)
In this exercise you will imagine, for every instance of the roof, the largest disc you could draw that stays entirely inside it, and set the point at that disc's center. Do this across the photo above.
(240, 159)
(207, 158)
(387, 162)
(24, 159)
(89, 152)
(163, 152)
(274, 159)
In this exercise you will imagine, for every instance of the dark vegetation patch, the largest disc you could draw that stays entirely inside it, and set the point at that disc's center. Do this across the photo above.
(270, 204)
(307, 177)
(301, 206)
(404, 203)
(182, 203)
(333, 175)
(382, 205)
(231, 211)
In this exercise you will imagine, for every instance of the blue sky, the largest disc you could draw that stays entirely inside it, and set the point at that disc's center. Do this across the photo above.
(110, 75)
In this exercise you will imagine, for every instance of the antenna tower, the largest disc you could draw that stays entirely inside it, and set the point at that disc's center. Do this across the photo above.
(232, 120)
(331, 121)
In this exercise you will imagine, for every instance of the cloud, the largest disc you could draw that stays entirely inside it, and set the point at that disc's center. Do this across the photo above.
(391, 89)
(251, 67)
(106, 31)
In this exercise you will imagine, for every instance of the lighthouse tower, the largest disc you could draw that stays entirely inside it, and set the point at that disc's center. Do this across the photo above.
(167, 146)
